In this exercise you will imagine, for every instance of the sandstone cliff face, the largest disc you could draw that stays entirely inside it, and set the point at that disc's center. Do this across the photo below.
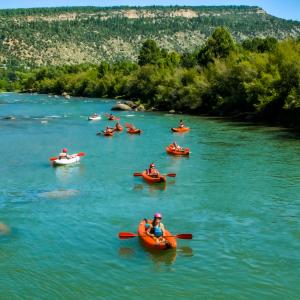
(59, 36)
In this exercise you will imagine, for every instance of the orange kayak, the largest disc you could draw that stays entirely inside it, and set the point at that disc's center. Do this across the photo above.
(150, 179)
(108, 133)
(149, 242)
(118, 128)
(113, 118)
(173, 151)
(181, 129)
(134, 131)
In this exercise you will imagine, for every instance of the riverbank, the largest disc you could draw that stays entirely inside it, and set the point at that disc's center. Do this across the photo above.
(258, 80)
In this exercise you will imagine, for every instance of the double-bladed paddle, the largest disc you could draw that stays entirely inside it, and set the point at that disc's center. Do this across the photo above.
(169, 175)
(130, 235)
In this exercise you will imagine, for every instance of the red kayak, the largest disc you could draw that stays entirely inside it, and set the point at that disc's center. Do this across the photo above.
(180, 129)
(112, 118)
(118, 128)
(152, 179)
(149, 241)
(108, 133)
(173, 151)
(134, 131)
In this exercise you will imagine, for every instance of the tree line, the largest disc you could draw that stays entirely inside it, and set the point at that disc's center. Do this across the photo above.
(258, 79)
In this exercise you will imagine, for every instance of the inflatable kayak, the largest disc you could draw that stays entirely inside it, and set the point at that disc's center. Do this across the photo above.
(108, 133)
(113, 118)
(134, 131)
(118, 128)
(181, 129)
(172, 150)
(94, 118)
(149, 242)
(66, 161)
(150, 179)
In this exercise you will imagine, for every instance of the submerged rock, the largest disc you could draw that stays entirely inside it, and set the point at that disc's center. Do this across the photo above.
(59, 194)
(121, 106)
(4, 229)
(9, 118)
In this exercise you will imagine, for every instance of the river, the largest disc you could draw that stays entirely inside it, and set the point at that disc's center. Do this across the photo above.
(238, 193)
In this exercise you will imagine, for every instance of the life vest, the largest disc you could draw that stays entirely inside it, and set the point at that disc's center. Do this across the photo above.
(157, 231)
(62, 155)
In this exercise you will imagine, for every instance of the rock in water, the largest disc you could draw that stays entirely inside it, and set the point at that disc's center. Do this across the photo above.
(4, 229)
(121, 106)
(130, 103)
(59, 194)
(9, 118)
(141, 107)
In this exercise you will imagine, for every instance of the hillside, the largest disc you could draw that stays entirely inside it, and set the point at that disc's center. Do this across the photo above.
(56, 36)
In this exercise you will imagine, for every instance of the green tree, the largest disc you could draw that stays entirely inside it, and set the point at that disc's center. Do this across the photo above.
(150, 53)
(219, 45)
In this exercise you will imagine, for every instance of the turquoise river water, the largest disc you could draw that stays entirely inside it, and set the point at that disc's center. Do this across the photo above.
(238, 194)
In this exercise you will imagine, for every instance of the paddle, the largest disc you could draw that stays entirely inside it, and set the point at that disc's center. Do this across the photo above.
(129, 235)
(169, 175)
(78, 154)
(127, 125)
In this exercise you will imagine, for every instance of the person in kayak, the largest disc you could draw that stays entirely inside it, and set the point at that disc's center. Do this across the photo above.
(152, 171)
(181, 124)
(175, 146)
(118, 126)
(157, 229)
(108, 129)
(64, 154)
(147, 224)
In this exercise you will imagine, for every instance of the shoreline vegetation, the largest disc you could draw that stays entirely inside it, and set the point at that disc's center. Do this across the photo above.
(257, 80)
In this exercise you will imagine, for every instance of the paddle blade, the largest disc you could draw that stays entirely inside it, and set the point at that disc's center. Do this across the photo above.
(53, 158)
(171, 175)
(137, 174)
(127, 125)
(126, 235)
(81, 154)
(185, 236)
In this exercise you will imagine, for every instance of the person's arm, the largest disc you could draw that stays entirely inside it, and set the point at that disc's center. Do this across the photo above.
(162, 229)
(148, 232)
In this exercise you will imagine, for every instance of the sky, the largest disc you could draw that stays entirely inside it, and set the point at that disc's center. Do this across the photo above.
(287, 9)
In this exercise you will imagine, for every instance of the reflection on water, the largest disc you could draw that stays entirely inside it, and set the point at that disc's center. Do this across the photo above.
(185, 251)
(138, 187)
(152, 187)
(65, 173)
(157, 187)
(162, 257)
(126, 252)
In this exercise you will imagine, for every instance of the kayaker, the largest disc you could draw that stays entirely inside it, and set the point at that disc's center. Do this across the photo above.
(118, 126)
(108, 129)
(152, 171)
(64, 154)
(157, 229)
(181, 124)
(175, 146)
(147, 224)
